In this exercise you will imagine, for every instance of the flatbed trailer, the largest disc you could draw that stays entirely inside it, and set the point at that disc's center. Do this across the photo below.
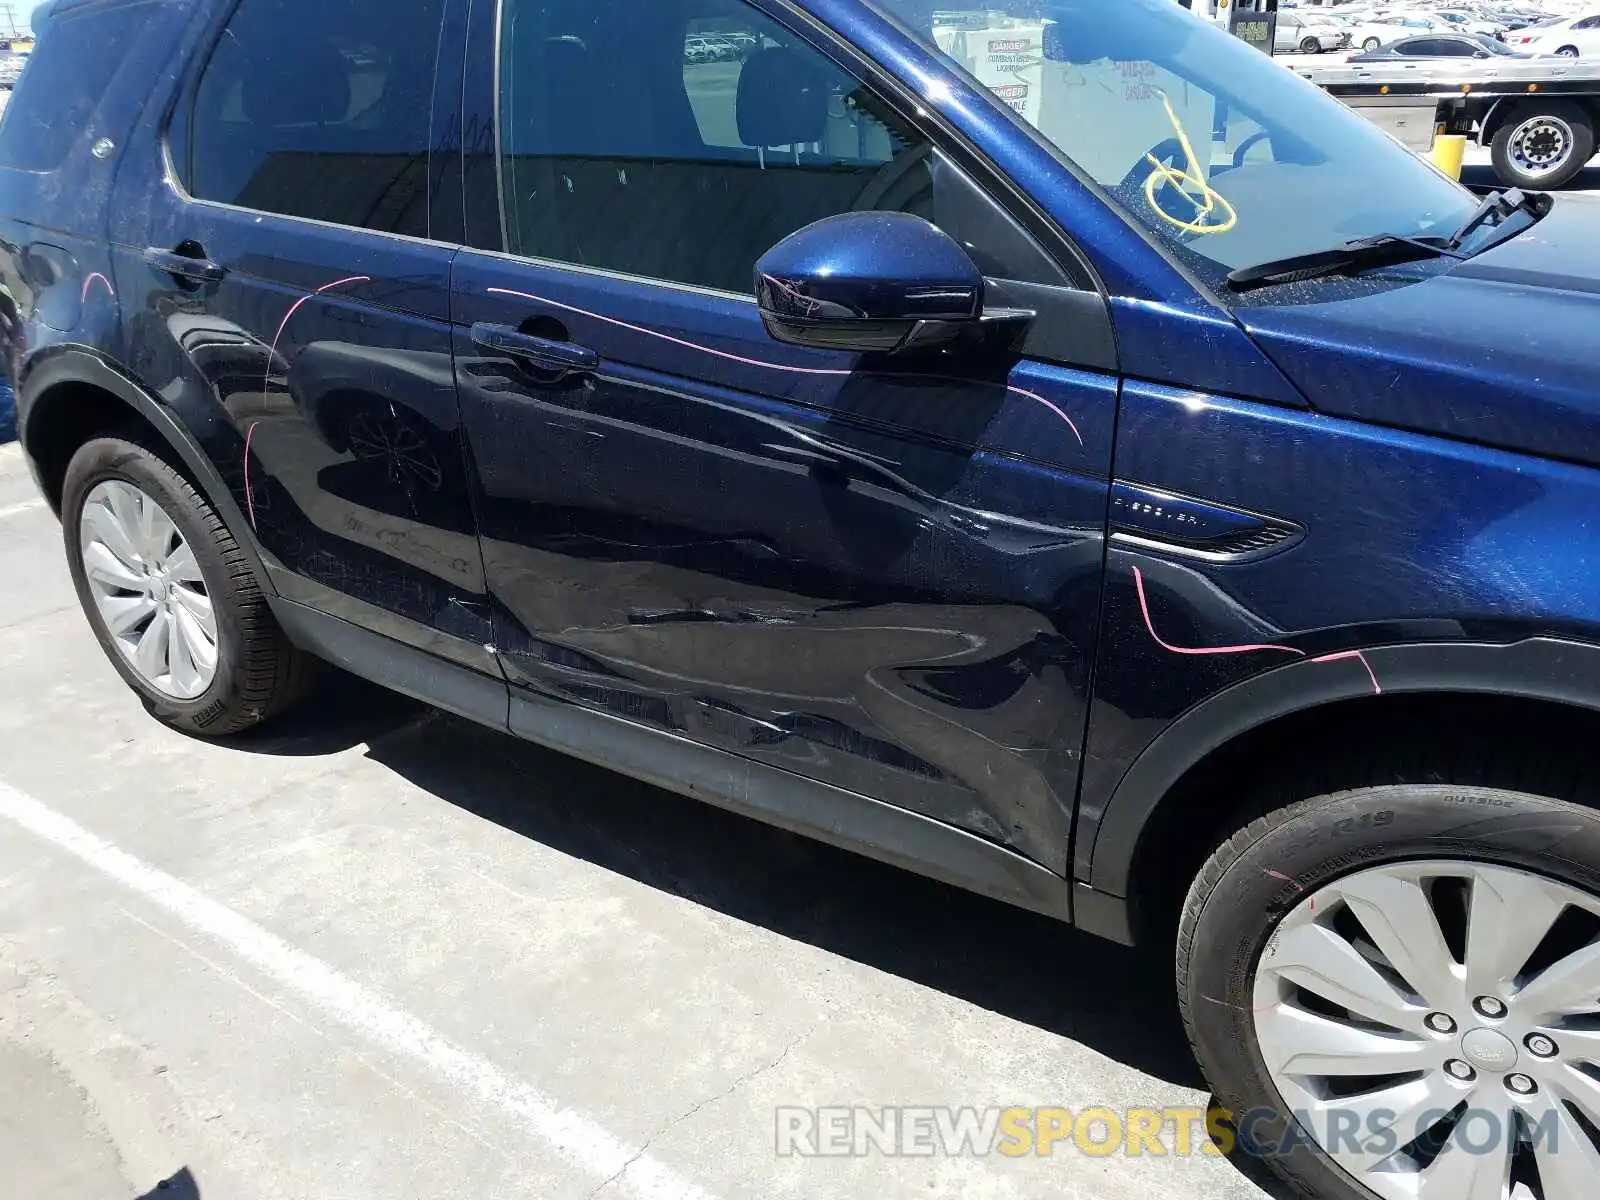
(1538, 116)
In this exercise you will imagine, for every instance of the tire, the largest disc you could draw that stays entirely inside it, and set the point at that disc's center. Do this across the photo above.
(1371, 44)
(1258, 883)
(1568, 52)
(1310, 45)
(258, 673)
(1576, 126)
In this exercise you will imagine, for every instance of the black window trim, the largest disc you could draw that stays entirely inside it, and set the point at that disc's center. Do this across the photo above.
(1054, 241)
(186, 94)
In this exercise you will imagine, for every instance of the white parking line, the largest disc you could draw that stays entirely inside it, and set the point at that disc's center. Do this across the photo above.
(16, 510)
(580, 1140)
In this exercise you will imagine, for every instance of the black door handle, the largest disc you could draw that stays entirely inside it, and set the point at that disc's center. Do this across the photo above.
(551, 355)
(194, 268)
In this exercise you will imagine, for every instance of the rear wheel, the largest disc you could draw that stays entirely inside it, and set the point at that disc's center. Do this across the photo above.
(1543, 147)
(170, 596)
(1568, 52)
(1310, 45)
(1396, 990)
(1371, 44)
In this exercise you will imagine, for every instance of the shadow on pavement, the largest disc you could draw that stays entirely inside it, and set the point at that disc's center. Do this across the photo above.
(1116, 1001)
(1015, 963)
(1483, 179)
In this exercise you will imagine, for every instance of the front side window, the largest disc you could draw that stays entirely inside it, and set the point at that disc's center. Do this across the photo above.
(1219, 151)
(679, 140)
(317, 110)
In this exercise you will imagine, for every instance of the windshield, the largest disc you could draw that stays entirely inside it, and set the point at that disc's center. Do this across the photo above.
(1221, 152)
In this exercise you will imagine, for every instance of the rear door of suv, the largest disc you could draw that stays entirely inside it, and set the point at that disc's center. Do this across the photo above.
(877, 577)
(275, 259)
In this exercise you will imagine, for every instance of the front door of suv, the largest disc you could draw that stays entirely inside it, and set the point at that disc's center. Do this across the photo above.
(879, 576)
(285, 298)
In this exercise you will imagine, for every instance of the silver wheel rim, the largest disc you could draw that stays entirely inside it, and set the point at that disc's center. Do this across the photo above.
(148, 589)
(1398, 995)
(1541, 145)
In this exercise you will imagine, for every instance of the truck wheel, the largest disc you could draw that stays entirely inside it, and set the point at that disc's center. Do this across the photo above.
(169, 595)
(1394, 990)
(1544, 146)
(1310, 46)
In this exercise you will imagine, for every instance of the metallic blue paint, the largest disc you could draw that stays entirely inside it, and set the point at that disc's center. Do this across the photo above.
(901, 579)
(870, 266)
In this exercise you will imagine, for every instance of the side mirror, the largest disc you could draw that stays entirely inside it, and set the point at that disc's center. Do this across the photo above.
(872, 282)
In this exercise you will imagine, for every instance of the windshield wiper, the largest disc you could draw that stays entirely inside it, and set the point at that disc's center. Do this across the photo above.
(1386, 249)
(1497, 207)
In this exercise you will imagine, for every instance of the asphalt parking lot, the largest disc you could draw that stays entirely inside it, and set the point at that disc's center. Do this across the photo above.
(377, 952)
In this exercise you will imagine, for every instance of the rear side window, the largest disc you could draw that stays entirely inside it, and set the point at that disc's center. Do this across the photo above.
(76, 58)
(318, 110)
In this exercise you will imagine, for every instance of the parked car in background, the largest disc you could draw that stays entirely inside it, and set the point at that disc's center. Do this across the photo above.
(1574, 37)
(11, 69)
(1309, 33)
(1365, 34)
(1439, 45)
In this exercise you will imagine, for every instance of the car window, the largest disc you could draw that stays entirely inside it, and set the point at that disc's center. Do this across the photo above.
(1437, 47)
(1205, 142)
(681, 139)
(1588, 23)
(73, 65)
(317, 110)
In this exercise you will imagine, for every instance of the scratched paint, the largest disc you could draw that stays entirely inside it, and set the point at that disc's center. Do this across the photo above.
(826, 372)
(88, 283)
(1340, 656)
(266, 380)
(1149, 624)
(1346, 655)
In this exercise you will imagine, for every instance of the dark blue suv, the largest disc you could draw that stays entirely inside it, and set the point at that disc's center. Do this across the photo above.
(1042, 444)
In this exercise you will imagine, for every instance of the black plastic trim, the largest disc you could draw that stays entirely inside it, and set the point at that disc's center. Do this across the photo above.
(402, 668)
(793, 802)
(1548, 669)
(474, 655)
(1102, 914)
(74, 365)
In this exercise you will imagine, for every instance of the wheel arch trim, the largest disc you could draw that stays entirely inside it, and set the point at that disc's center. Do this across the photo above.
(80, 366)
(1552, 670)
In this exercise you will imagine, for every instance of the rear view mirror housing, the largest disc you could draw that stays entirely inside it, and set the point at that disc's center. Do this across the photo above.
(872, 282)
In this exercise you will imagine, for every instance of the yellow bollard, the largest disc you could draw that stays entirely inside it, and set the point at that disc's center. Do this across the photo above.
(1449, 149)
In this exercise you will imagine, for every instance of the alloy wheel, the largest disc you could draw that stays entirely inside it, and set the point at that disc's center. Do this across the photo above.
(1541, 145)
(1435, 1029)
(148, 589)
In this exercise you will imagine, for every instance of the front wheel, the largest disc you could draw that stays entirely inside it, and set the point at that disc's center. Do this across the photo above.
(1568, 52)
(169, 594)
(1544, 147)
(1310, 46)
(1396, 991)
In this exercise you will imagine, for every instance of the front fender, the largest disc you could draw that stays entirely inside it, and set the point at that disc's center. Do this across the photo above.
(1547, 669)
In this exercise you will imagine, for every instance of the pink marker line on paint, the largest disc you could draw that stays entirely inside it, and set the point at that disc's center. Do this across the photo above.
(1144, 606)
(1344, 655)
(832, 372)
(249, 496)
(266, 380)
(89, 282)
